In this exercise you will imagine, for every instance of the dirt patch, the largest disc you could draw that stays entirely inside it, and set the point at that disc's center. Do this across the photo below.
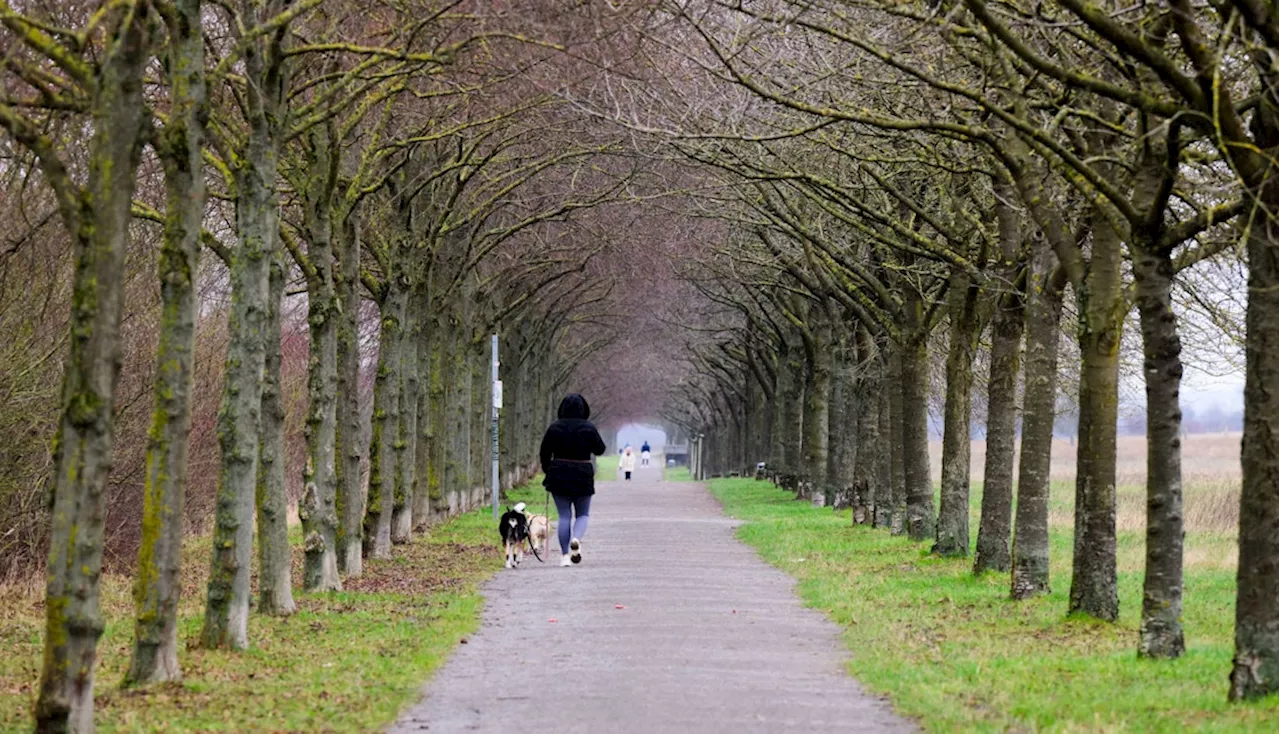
(421, 568)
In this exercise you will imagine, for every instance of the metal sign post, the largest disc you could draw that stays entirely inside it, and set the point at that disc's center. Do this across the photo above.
(497, 404)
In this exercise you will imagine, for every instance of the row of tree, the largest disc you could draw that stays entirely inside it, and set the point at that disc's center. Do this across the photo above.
(393, 163)
(893, 181)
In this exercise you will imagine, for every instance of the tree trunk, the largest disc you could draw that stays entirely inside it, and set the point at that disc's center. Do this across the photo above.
(479, 414)
(1161, 629)
(227, 602)
(460, 414)
(762, 413)
(782, 377)
(157, 582)
(842, 421)
(407, 434)
(792, 425)
(1093, 577)
(386, 426)
(1254, 671)
(886, 488)
(897, 447)
(1030, 574)
(867, 461)
(348, 450)
(83, 447)
(817, 407)
(915, 438)
(318, 508)
(420, 351)
(1002, 414)
(953, 510)
(275, 588)
(442, 340)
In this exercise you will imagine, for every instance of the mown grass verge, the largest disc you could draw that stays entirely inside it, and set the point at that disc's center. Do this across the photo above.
(953, 652)
(347, 661)
(677, 474)
(607, 468)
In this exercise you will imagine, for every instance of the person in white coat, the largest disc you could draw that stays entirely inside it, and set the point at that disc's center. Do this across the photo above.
(627, 463)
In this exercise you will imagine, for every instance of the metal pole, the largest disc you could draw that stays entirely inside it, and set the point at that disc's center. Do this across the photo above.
(496, 392)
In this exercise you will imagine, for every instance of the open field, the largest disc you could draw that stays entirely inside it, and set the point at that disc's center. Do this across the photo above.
(1211, 489)
(348, 661)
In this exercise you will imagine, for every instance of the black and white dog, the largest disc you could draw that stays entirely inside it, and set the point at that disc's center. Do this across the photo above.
(513, 526)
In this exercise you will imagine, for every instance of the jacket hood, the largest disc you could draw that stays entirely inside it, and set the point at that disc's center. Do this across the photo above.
(574, 406)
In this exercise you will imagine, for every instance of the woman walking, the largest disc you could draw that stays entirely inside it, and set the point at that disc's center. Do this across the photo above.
(567, 448)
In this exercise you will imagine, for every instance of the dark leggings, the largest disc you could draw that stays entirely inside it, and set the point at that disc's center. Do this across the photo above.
(574, 513)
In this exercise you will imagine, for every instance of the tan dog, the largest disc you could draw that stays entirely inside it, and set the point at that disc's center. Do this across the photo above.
(538, 529)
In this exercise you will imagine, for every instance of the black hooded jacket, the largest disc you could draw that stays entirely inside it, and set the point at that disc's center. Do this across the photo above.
(567, 448)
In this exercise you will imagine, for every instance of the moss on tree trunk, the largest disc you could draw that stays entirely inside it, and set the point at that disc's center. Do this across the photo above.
(349, 447)
(98, 223)
(275, 578)
(157, 584)
(226, 616)
(386, 425)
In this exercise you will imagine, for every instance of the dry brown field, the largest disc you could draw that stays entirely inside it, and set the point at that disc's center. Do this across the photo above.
(1211, 488)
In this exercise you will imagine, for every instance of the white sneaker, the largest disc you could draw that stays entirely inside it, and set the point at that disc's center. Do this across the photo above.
(575, 550)
(564, 561)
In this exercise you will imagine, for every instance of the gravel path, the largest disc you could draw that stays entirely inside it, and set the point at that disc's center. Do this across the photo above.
(709, 637)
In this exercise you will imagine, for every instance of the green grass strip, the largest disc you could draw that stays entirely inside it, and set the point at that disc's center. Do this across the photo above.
(952, 651)
(347, 661)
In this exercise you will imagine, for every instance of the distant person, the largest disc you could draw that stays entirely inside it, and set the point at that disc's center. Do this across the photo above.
(567, 448)
(627, 463)
(644, 454)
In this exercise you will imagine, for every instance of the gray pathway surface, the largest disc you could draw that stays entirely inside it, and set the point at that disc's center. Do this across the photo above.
(711, 638)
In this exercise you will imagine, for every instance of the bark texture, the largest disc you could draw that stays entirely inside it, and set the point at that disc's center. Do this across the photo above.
(407, 432)
(868, 481)
(1161, 629)
(99, 227)
(1093, 571)
(157, 585)
(1254, 669)
(791, 415)
(817, 407)
(953, 510)
(318, 508)
(1030, 564)
(349, 447)
(420, 350)
(226, 615)
(386, 426)
(275, 585)
(915, 439)
(897, 447)
(1002, 411)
